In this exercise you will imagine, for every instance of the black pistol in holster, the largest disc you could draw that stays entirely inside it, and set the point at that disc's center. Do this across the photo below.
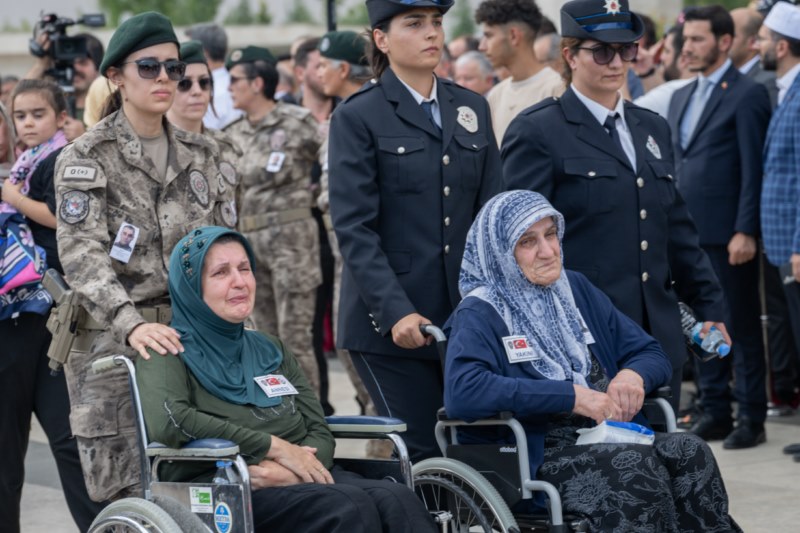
(64, 318)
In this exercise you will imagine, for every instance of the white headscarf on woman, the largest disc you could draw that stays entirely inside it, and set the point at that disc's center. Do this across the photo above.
(546, 315)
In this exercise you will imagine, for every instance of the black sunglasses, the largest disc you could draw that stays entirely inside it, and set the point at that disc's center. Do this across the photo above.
(150, 68)
(185, 84)
(603, 54)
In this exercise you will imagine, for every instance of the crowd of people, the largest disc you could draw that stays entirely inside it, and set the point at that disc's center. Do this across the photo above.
(358, 182)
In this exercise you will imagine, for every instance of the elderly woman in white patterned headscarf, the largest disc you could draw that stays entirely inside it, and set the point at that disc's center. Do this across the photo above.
(532, 338)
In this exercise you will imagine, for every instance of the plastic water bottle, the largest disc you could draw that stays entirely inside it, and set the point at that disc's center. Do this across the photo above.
(713, 343)
(225, 474)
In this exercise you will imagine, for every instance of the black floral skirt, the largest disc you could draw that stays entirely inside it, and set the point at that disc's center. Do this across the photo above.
(672, 486)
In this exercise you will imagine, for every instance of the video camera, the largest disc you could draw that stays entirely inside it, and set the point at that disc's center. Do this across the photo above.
(64, 50)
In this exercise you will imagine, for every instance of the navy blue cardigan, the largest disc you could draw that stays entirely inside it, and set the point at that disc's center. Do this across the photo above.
(480, 381)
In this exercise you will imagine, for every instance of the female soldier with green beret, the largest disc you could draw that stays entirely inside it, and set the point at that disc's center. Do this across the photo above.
(133, 169)
(280, 144)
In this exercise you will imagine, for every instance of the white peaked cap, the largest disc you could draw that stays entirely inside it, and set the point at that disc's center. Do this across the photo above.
(784, 18)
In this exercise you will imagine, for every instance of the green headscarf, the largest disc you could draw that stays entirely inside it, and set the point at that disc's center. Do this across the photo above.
(223, 356)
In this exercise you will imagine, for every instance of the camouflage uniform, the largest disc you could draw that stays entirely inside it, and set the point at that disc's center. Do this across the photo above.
(102, 181)
(275, 215)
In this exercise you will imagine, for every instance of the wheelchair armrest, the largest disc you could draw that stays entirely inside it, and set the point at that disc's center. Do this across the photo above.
(211, 448)
(365, 424)
(661, 392)
(441, 416)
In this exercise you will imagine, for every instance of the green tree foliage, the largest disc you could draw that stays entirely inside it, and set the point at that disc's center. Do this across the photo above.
(181, 12)
(465, 23)
(240, 15)
(727, 4)
(263, 16)
(355, 16)
(300, 13)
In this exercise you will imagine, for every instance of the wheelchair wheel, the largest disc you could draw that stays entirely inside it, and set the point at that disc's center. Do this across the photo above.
(134, 514)
(458, 492)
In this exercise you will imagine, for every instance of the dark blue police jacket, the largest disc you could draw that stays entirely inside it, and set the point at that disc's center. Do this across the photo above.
(627, 230)
(403, 196)
(481, 382)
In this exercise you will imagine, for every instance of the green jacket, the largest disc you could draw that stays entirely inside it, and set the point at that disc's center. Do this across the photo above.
(177, 409)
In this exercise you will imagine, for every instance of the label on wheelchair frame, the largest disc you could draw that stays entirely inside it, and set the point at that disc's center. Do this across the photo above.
(201, 500)
(223, 521)
(275, 385)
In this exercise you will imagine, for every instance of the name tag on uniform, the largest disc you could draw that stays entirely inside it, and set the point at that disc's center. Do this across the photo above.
(518, 349)
(275, 162)
(275, 385)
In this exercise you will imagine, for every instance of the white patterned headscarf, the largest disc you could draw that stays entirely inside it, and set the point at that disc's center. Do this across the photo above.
(546, 315)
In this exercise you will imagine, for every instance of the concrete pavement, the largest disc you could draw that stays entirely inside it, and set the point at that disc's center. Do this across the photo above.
(763, 484)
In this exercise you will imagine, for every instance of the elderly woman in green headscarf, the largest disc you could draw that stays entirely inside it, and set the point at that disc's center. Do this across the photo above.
(245, 386)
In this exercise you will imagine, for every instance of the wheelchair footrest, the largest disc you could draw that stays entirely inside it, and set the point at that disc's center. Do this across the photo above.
(196, 448)
(365, 424)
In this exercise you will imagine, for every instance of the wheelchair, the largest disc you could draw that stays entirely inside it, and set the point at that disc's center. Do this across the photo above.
(193, 507)
(474, 486)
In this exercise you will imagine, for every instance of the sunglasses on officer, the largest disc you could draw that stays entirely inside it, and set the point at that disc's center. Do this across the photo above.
(185, 85)
(603, 53)
(149, 68)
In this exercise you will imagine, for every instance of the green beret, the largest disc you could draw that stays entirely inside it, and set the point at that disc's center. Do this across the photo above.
(192, 52)
(249, 54)
(344, 46)
(138, 32)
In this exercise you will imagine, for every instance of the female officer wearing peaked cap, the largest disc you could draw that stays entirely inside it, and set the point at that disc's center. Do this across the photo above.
(412, 158)
(131, 169)
(629, 230)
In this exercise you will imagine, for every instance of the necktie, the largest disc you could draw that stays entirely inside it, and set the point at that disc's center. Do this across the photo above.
(428, 108)
(611, 127)
(696, 106)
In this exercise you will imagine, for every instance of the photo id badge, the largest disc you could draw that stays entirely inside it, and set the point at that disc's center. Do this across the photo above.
(124, 242)
(275, 162)
(275, 385)
(518, 349)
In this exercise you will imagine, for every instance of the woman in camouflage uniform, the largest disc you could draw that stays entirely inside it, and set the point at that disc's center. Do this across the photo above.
(280, 144)
(131, 170)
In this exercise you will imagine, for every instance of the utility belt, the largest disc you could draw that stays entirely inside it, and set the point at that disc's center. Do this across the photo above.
(73, 328)
(264, 220)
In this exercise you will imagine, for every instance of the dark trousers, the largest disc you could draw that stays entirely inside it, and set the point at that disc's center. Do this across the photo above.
(321, 308)
(26, 387)
(746, 360)
(351, 505)
(409, 389)
(783, 353)
(792, 292)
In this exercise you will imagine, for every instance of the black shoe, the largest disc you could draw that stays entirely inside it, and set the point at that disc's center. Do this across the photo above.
(792, 449)
(708, 428)
(746, 435)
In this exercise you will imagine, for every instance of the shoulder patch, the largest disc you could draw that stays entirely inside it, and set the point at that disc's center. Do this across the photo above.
(74, 207)
(79, 173)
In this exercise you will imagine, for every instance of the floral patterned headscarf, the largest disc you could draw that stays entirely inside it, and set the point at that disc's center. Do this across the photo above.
(546, 315)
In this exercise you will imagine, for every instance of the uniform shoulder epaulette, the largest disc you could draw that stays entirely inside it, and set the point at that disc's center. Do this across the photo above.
(630, 106)
(368, 86)
(101, 132)
(222, 138)
(544, 104)
(230, 124)
(294, 111)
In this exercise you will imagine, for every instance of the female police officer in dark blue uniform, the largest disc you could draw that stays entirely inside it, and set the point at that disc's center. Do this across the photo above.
(412, 159)
(629, 229)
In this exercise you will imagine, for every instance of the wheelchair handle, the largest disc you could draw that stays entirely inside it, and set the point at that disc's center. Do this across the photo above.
(104, 364)
(429, 330)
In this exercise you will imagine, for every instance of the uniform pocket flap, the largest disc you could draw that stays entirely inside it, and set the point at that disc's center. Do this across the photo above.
(661, 169)
(590, 168)
(475, 143)
(92, 420)
(400, 145)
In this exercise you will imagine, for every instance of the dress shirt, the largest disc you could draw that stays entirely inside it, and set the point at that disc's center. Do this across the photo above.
(785, 81)
(437, 112)
(698, 101)
(600, 112)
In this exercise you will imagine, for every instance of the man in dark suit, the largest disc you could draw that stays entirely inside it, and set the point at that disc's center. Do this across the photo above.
(718, 125)
(744, 53)
(412, 159)
(628, 229)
